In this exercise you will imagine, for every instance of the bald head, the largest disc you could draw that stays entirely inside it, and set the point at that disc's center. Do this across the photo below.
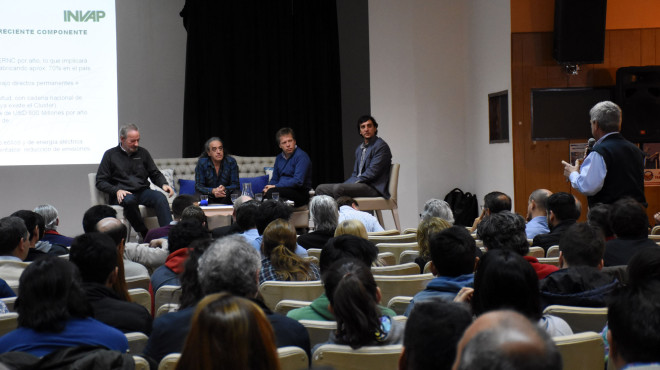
(113, 228)
(506, 339)
(537, 203)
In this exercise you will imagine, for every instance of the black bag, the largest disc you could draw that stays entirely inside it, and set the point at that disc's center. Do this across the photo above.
(464, 206)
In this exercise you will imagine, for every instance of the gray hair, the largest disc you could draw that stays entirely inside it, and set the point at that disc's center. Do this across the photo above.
(49, 213)
(540, 197)
(230, 264)
(207, 144)
(323, 210)
(437, 208)
(126, 128)
(608, 116)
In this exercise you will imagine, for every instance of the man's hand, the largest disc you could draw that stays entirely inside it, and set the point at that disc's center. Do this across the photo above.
(267, 187)
(219, 192)
(156, 243)
(464, 295)
(168, 189)
(568, 168)
(121, 194)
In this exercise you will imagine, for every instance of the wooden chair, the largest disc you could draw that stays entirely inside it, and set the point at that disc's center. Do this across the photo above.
(401, 269)
(397, 248)
(314, 252)
(286, 305)
(399, 304)
(138, 282)
(319, 331)
(167, 294)
(553, 251)
(167, 308)
(405, 238)
(388, 258)
(403, 285)
(292, 358)
(408, 256)
(580, 319)
(140, 363)
(169, 362)
(342, 357)
(384, 233)
(379, 203)
(274, 291)
(409, 230)
(8, 322)
(10, 302)
(537, 252)
(141, 297)
(582, 351)
(136, 342)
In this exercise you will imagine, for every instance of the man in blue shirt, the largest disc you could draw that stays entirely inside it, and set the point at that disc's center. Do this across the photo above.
(292, 174)
(537, 213)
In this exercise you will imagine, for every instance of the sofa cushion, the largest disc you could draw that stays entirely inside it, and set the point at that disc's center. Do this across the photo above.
(258, 183)
(169, 176)
(186, 186)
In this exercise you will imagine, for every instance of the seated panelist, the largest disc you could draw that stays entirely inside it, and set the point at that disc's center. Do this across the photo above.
(216, 174)
(292, 173)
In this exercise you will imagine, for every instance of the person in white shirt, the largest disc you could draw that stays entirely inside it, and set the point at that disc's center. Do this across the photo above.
(349, 209)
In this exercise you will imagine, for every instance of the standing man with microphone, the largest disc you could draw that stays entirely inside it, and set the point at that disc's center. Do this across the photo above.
(614, 168)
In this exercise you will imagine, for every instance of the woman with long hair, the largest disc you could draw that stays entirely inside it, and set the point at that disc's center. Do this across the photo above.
(216, 173)
(428, 226)
(229, 332)
(280, 260)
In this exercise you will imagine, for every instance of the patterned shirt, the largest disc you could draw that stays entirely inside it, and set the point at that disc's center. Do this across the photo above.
(268, 272)
(206, 179)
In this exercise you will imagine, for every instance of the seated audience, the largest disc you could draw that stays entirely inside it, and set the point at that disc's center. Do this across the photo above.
(246, 219)
(345, 246)
(234, 228)
(52, 242)
(537, 217)
(437, 208)
(599, 215)
(630, 225)
(216, 173)
(281, 262)
(504, 280)
(354, 298)
(14, 246)
(179, 203)
(195, 213)
(53, 313)
(231, 333)
(506, 230)
(180, 238)
(352, 227)
(231, 265)
(506, 340)
(95, 255)
(494, 202)
(36, 227)
(349, 209)
(453, 260)
(432, 333)
(427, 227)
(562, 213)
(269, 211)
(323, 211)
(579, 282)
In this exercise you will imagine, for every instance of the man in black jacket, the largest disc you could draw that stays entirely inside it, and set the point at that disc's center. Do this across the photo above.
(563, 212)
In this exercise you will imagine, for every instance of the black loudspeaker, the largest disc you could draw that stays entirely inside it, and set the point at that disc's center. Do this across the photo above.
(579, 36)
(638, 95)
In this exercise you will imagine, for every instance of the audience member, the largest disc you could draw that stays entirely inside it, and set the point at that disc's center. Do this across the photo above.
(53, 313)
(95, 255)
(349, 209)
(453, 260)
(345, 246)
(195, 213)
(14, 246)
(36, 228)
(352, 227)
(431, 335)
(599, 215)
(216, 173)
(562, 213)
(494, 202)
(427, 227)
(191, 289)
(269, 211)
(630, 225)
(323, 211)
(506, 340)
(280, 261)
(579, 282)
(437, 208)
(231, 265)
(178, 205)
(246, 219)
(52, 242)
(537, 214)
(95, 214)
(234, 228)
(231, 333)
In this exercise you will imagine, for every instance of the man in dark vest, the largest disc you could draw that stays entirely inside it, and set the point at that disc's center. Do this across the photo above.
(614, 169)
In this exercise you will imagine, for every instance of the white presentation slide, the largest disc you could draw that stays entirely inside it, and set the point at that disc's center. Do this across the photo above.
(58, 81)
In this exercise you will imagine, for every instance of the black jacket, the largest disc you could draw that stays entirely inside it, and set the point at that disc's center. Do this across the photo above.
(582, 286)
(546, 241)
(109, 309)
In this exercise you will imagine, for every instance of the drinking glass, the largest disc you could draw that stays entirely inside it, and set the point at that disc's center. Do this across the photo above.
(259, 197)
(203, 200)
(234, 196)
(276, 196)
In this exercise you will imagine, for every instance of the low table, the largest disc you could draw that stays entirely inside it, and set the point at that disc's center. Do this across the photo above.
(218, 210)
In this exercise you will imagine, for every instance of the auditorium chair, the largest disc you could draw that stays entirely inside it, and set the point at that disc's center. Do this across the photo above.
(136, 342)
(384, 233)
(167, 294)
(580, 319)
(319, 331)
(140, 363)
(536, 252)
(292, 358)
(399, 304)
(169, 362)
(141, 297)
(581, 351)
(379, 203)
(409, 268)
(284, 306)
(553, 251)
(343, 357)
(402, 285)
(405, 238)
(408, 256)
(273, 292)
(397, 248)
(387, 258)
(8, 322)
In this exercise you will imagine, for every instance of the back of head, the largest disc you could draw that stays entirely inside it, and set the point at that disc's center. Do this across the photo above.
(563, 206)
(194, 213)
(347, 246)
(540, 198)
(222, 319)
(453, 251)
(12, 232)
(230, 264)
(437, 208)
(32, 220)
(246, 215)
(95, 255)
(191, 289)
(504, 230)
(346, 201)
(50, 295)
(582, 245)
(497, 201)
(427, 227)
(433, 330)
(49, 214)
(629, 219)
(608, 116)
(184, 233)
(599, 216)
(269, 211)
(352, 227)
(504, 280)
(95, 214)
(279, 245)
(353, 295)
(323, 210)
(114, 228)
(180, 203)
(644, 267)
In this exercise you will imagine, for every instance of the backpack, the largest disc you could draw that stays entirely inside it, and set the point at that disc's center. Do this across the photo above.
(464, 206)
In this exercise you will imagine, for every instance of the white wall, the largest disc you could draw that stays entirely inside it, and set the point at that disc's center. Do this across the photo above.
(151, 43)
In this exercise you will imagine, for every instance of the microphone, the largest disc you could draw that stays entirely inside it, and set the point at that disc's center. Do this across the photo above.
(590, 145)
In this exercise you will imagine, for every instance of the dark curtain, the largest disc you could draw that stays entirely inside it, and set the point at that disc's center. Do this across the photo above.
(253, 67)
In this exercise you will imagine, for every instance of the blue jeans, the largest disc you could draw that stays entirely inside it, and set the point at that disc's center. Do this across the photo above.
(150, 198)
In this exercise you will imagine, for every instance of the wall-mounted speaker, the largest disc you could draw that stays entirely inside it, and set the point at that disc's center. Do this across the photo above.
(579, 35)
(638, 95)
